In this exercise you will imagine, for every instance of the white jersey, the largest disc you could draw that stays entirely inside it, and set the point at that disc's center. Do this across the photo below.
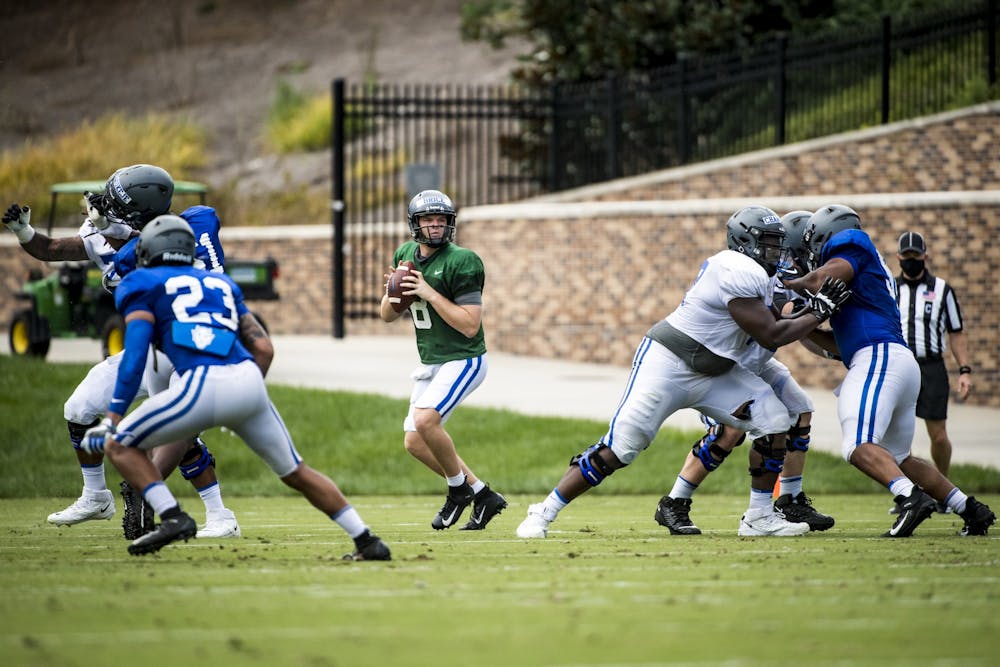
(703, 313)
(100, 252)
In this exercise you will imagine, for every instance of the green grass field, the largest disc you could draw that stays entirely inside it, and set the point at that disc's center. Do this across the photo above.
(608, 587)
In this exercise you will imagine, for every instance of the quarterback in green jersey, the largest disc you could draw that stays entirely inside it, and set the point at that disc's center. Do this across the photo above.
(446, 285)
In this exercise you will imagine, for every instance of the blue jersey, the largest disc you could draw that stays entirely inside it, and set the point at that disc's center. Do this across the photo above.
(871, 315)
(208, 248)
(197, 314)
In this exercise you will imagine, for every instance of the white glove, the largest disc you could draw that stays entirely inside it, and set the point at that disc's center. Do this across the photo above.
(95, 438)
(17, 219)
(95, 208)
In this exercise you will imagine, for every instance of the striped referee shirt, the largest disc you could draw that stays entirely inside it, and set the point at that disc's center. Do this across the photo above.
(927, 309)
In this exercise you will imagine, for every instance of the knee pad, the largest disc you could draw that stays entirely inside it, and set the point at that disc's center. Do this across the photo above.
(798, 438)
(774, 458)
(591, 465)
(77, 431)
(196, 460)
(709, 453)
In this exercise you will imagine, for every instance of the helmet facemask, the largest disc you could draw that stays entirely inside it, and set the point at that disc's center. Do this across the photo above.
(431, 202)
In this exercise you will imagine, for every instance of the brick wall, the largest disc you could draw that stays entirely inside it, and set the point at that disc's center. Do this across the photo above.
(582, 274)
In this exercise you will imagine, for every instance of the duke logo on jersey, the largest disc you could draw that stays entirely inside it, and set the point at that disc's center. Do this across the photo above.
(199, 337)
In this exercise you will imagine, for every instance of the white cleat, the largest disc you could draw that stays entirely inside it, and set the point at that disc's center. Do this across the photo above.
(219, 524)
(90, 506)
(535, 525)
(768, 523)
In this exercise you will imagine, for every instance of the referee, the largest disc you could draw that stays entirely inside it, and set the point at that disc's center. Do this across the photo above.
(928, 308)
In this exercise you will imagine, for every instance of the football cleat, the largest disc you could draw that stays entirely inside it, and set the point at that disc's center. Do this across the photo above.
(219, 524)
(674, 514)
(139, 518)
(768, 523)
(368, 546)
(91, 505)
(799, 509)
(486, 505)
(911, 511)
(459, 497)
(978, 518)
(535, 525)
(179, 527)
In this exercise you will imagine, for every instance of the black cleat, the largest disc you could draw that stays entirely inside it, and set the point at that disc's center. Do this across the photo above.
(459, 497)
(138, 519)
(368, 546)
(912, 511)
(799, 509)
(177, 527)
(674, 514)
(978, 518)
(486, 505)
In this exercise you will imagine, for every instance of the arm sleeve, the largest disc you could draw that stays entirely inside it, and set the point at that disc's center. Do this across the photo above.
(138, 335)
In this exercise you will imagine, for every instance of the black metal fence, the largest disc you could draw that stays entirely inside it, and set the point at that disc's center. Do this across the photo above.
(491, 144)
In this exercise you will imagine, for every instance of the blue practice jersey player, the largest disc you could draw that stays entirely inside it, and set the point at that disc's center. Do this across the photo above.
(131, 197)
(877, 400)
(197, 318)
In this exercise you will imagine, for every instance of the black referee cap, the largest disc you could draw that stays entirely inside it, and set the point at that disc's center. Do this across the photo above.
(912, 241)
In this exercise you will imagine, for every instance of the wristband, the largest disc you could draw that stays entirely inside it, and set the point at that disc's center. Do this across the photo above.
(965, 370)
(25, 234)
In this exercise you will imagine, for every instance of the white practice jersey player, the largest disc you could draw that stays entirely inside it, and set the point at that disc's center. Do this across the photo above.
(698, 357)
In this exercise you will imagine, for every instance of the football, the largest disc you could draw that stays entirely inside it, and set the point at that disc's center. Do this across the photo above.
(394, 288)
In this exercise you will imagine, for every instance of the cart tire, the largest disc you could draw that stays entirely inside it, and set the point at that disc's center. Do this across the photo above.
(19, 337)
(113, 335)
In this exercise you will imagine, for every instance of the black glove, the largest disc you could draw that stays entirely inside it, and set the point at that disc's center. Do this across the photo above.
(832, 294)
(12, 216)
(97, 201)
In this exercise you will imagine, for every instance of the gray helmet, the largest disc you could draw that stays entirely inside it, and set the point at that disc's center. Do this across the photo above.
(795, 226)
(166, 239)
(756, 232)
(426, 203)
(823, 225)
(137, 194)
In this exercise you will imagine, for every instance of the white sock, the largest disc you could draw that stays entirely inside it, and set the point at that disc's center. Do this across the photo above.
(901, 486)
(349, 519)
(211, 495)
(956, 500)
(457, 480)
(159, 497)
(791, 485)
(552, 505)
(682, 488)
(478, 486)
(760, 499)
(93, 477)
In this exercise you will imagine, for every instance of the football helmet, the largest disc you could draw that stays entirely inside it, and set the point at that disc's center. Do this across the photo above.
(166, 239)
(756, 232)
(795, 226)
(137, 194)
(426, 203)
(823, 225)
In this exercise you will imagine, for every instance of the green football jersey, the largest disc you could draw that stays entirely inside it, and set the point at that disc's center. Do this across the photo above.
(455, 272)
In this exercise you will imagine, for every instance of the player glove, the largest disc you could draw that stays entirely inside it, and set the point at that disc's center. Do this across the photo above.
(97, 210)
(17, 219)
(95, 438)
(832, 294)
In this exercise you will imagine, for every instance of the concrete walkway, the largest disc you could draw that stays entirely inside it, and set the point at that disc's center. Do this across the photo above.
(382, 365)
